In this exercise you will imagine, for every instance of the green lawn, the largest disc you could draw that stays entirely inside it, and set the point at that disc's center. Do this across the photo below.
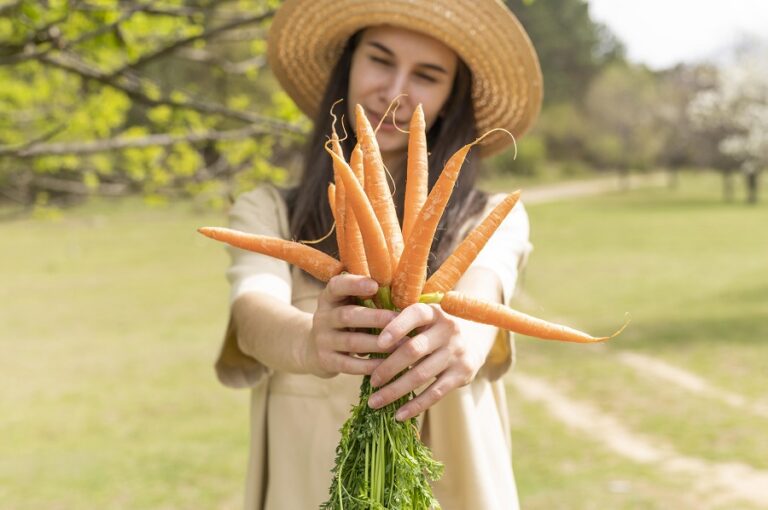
(112, 314)
(110, 320)
(693, 273)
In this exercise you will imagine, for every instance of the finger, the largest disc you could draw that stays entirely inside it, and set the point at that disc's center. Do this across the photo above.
(410, 318)
(342, 286)
(345, 364)
(352, 316)
(348, 341)
(437, 390)
(411, 380)
(408, 354)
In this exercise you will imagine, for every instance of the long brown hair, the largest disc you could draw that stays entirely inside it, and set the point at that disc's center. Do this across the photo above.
(310, 216)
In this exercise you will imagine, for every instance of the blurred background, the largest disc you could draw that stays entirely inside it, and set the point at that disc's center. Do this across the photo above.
(126, 124)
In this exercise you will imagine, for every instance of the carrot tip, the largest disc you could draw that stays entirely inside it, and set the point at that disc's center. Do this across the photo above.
(627, 320)
(208, 231)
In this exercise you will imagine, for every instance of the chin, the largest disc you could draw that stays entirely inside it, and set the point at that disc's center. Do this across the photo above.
(392, 142)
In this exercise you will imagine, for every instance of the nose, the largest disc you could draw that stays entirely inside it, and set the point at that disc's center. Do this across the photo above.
(396, 85)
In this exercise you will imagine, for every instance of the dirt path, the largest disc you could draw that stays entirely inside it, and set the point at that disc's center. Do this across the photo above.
(554, 192)
(690, 382)
(716, 482)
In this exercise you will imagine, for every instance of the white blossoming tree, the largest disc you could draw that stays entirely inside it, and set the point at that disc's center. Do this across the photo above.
(738, 107)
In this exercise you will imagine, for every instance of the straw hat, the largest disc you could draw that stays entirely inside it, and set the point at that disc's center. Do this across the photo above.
(308, 36)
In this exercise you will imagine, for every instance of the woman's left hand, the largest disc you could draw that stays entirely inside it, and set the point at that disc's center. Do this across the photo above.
(437, 351)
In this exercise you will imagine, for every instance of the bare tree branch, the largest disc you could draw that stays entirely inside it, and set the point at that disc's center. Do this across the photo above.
(76, 187)
(208, 34)
(5, 8)
(137, 94)
(37, 140)
(158, 140)
(103, 29)
(243, 35)
(29, 53)
(13, 197)
(175, 11)
(207, 57)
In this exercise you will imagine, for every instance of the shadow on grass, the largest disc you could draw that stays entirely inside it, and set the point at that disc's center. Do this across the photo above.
(746, 328)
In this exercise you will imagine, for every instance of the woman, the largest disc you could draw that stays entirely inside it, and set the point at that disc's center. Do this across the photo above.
(290, 338)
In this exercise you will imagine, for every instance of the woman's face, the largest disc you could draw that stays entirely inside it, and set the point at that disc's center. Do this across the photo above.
(390, 61)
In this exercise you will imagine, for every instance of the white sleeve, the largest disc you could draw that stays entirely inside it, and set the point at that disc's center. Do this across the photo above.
(507, 251)
(260, 211)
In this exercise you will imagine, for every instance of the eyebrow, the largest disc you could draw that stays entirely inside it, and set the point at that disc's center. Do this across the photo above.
(434, 67)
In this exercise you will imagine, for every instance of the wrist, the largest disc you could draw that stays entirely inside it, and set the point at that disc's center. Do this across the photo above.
(304, 351)
(300, 348)
(482, 338)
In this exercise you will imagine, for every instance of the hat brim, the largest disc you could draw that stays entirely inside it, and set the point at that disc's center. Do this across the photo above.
(307, 38)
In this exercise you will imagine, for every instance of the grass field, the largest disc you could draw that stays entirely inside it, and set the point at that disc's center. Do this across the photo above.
(112, 314)
(693, 273)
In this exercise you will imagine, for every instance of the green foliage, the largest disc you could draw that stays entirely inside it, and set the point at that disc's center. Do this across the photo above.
(572, 47)
(618, 125)
(606, 149)
(530, 158)
(563, 127)
(151, 75)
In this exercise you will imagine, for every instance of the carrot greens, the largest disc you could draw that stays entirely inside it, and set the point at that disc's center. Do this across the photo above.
(380, 462)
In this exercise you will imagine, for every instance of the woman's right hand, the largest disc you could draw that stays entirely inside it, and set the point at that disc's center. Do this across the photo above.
(334, 344)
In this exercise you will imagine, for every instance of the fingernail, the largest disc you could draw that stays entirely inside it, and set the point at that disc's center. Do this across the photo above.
(401, 415)
(371, 287)
(374, 401)
(375, 380)
(384, 339)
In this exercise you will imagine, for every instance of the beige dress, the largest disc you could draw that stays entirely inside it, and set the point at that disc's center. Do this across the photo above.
(295, 419)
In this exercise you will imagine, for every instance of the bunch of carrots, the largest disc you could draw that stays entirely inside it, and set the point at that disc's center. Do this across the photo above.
(381, 463)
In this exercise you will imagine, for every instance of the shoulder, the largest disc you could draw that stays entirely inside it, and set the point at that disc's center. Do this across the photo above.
(263, 206)
(516, 223)
(510, 243)
(263, 196)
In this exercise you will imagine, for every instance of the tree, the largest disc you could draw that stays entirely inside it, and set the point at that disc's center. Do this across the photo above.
(738, 106)
(156, 96)
(572, 47)
(621, 106)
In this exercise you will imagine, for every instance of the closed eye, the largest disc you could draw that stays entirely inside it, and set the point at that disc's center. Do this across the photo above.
(426, 77)
(381, 61)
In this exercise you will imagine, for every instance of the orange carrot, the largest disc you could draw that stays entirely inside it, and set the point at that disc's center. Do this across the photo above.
(445, 278)
(504, 317)
(377, 254)
(355, 250)
(311, 260)
(408, 280)
(339, 206)
(356, 163)
(377, 189)
(332, 201)
(417, 173)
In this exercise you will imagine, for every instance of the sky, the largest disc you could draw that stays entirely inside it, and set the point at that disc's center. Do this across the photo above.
(662, 33)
